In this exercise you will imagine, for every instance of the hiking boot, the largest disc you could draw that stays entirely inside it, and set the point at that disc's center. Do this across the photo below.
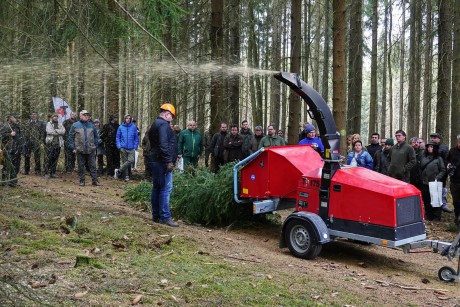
(96, 183)
(54, 176)
(82, 183)
(126, 178)
(446, 209)
(117, 173)
(46, 176)
(156, 220)
(170, 223)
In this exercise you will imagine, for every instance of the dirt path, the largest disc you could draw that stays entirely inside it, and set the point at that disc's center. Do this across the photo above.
(383, 276)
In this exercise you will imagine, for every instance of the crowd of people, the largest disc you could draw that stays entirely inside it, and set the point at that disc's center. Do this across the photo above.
(415, 162)
(86, 144)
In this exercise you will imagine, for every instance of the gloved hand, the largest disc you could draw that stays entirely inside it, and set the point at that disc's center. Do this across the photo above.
(170, 166)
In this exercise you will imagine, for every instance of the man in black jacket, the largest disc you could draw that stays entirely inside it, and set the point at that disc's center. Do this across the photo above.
(217, 148)
(443, 150)
(453, 169)
(109, 137)
(163, 156)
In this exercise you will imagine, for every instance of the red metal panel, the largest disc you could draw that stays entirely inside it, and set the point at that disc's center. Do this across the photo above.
(367, 196)
(277, 170)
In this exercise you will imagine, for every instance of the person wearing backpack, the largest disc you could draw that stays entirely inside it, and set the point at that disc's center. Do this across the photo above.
(432, 168)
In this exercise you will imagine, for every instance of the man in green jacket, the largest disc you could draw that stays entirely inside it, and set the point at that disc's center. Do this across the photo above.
(272, 139)
(402, 158)
(190, 144)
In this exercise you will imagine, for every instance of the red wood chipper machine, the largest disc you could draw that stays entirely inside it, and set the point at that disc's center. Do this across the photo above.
(332, 200)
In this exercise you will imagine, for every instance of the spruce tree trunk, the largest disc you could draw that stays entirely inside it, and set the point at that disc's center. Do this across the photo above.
(455, 118)
(296, 40)
(373, 95)
(338, 71)
(355, 68)
(444, 68)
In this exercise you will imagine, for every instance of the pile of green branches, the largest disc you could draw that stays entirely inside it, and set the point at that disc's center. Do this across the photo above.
(206, 198)
(199, 196)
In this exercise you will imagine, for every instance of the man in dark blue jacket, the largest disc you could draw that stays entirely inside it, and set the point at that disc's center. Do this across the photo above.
(127, 142)
(163, 156)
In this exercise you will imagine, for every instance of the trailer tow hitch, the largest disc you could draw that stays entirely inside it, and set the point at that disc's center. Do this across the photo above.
(449, 250)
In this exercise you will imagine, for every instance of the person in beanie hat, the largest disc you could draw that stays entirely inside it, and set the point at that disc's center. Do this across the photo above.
(381, 157)
(258, 135)
(312, 139)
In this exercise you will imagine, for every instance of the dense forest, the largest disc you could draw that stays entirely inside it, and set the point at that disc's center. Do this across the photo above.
(381, 65)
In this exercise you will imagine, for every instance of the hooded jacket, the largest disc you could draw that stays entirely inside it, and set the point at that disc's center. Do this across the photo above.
(127, 136)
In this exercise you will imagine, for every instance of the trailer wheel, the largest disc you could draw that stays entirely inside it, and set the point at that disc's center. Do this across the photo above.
(447, 274)
(301, 240)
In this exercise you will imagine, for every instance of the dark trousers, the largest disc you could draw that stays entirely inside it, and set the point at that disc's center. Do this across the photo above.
(193, 161)
(87, 159)
(431, 213)
(69, 159)
(113, 159)
(52, 157)
(30, 149)
(207, 153)
(455, 191)
(11, 163)
(100, 164)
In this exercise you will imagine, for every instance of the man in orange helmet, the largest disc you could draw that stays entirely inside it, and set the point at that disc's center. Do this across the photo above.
(163, 156)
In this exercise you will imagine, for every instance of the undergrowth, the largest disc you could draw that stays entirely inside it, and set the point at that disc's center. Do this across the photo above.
(199, 196)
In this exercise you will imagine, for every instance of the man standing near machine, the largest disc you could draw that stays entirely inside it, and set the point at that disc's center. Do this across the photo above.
(163, 156)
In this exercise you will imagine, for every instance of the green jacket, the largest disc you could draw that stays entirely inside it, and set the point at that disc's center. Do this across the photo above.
(190, 143)
(268, 141)
(401, 159)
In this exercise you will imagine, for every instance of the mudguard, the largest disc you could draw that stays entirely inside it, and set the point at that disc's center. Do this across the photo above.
(316, 222)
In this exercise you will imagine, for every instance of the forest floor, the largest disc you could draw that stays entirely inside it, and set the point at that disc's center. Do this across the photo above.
(46, 224)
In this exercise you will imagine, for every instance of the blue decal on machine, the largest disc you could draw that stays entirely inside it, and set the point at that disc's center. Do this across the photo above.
(253, 177)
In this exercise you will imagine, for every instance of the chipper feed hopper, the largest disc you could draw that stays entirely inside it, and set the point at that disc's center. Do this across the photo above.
(332, 200)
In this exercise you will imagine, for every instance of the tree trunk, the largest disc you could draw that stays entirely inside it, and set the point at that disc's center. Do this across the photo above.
(428, 75)
(373, 95)
(383, 118)
(234, 58)
(113, 50)
(325, 79)
(275, 94)
(413, 104)
(216, 37)
(338, 71)
(402, 60)
(455, 119)
(390, 63)
(444, 68)
(355, 64)
(296, 41)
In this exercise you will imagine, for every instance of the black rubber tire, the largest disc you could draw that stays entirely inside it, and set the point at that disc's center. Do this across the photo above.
(445, 274)
(301, 239)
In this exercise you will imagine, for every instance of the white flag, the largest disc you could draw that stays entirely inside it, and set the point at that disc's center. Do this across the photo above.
(62, 109)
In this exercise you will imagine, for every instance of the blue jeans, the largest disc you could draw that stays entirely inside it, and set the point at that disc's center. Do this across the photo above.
(161, 190)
